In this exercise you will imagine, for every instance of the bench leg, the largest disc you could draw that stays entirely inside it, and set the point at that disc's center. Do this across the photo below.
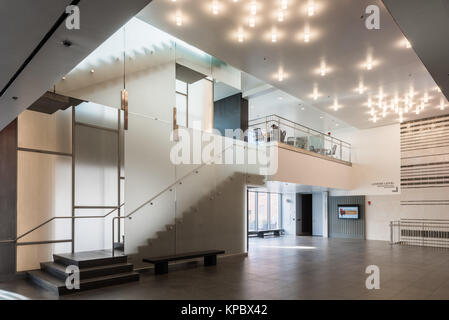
(277, 233)
(161, 268)
(210, 260)
(261, 235)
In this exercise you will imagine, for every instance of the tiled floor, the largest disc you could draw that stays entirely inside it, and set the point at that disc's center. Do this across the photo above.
(290, 268)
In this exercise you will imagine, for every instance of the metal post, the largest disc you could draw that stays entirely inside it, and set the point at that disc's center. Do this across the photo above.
(266, 129)
(73, 178)
(119, 172)
(341, 150)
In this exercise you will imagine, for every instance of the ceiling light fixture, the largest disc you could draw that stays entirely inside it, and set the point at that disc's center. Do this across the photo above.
(252, 21)
(253, 7)
(408, 45)
(274, 35)
(306, 35)
(179, 19)
(284, 4)
(281, 75)
(311, 9)
(361, 89)
(369, 64)
(315, 94)
(336, 106)
(323, 69)
(442, 104)
(281, 15)
(215, 7)
(240, 35)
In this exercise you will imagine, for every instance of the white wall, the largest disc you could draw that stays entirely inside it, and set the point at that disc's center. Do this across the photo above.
(289, 213)
(319, 214)
(44, 185)
(201, 105)
(376, 160)
(299, 168)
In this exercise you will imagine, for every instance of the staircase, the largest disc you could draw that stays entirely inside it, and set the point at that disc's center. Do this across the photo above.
(97, 269)
(194, 223)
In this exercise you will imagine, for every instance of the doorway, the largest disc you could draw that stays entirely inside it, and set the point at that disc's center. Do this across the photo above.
(304, 211)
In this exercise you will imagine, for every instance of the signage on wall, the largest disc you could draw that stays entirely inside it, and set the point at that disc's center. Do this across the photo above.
(386, 185)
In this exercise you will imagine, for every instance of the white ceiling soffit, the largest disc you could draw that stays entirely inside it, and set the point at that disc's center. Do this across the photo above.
(24, 26)
(426, 25)
(338, 38)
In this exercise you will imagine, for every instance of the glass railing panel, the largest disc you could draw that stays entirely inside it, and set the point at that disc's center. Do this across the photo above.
(149, 172)
(275, 128)
(196, 220)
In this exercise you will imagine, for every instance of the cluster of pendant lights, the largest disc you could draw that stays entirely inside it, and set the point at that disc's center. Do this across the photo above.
(252, 17)
(401, 106)
(385, 105)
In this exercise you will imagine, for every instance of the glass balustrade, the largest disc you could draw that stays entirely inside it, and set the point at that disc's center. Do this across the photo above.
(277, 129)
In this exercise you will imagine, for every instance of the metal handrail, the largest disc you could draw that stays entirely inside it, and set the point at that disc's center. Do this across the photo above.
(178, 181)
(59, 218)
(298, 124)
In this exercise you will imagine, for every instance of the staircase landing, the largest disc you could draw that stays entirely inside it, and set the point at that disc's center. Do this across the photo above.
(97, 269)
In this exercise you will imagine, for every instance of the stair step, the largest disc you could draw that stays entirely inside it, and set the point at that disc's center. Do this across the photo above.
(49, 282)
(90, 259)
(59, 271)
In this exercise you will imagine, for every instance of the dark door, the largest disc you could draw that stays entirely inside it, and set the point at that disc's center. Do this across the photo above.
(303, 214)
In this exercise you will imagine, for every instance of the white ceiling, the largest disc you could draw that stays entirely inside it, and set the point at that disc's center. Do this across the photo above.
(338, 37)
(427, 35)
(24, 24)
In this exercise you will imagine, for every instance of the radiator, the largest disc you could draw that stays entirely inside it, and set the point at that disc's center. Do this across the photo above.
(420, 232)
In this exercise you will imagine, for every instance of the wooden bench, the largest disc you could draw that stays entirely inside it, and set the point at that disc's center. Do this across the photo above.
(161, 263)
(261, 234)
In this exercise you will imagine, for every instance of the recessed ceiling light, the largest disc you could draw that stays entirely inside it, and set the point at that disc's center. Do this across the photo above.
(284, 4)
(253, 7)
(281, 15)
(215, 7)
(323, 69)
(274, 35)
(252, 21)
(179, 19)
(442, 104)
(281, 75)
(311, 9)
(369, 64)
(240, 35)
(306, 34)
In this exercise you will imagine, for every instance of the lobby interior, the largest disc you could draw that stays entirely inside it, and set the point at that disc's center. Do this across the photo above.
(299, 148)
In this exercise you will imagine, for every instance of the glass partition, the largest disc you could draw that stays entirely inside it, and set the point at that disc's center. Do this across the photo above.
(277, 129)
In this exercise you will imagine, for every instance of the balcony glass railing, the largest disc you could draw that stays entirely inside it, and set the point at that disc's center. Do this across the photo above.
(276, 128)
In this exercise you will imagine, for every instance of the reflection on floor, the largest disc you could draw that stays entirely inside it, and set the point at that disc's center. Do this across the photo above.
(290, 268)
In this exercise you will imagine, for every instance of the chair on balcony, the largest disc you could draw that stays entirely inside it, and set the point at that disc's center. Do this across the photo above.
(332, 152)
